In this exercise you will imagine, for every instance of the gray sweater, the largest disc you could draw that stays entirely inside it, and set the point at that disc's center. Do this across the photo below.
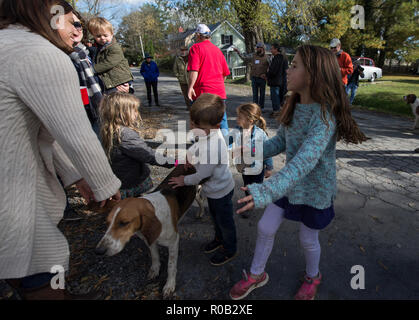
(130, 157)
(209, 156)
(44, 132)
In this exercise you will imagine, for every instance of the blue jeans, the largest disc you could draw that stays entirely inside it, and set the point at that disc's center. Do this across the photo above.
(223, 217)
(351, 87)
(258, 89)
(276, 98)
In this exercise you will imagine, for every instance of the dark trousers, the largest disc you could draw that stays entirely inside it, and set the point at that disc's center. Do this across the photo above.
(184, 88)
(258, 89)
(249, 179)
(223, 217)
(156, 95)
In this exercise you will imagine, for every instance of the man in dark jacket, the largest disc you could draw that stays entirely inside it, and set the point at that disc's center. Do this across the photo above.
(277, 78)
(150, 73)
(353, 81)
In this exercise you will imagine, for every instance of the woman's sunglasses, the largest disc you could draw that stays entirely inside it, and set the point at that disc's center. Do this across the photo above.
(77, 25)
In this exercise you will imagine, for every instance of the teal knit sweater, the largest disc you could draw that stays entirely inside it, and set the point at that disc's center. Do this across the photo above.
(309, 175)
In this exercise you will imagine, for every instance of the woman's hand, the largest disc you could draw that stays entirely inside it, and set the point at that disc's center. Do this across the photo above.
(85, 190)
(123, 88)
(248, 199)
(268, 173)
(116, 197)
(177, 182)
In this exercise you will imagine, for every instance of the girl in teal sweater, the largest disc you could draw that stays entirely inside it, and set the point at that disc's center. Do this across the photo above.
(316, 116)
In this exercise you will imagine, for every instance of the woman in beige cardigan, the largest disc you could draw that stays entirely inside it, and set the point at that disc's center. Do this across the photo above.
(45, 132)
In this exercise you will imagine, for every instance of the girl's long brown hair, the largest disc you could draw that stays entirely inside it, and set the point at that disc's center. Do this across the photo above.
(36, 16)
(326, 88)
(116, 110)
(253, 112)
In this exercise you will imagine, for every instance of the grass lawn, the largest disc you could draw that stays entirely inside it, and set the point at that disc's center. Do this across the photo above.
(386, 94)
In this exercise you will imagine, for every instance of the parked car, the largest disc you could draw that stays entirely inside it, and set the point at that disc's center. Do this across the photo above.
(371, 72)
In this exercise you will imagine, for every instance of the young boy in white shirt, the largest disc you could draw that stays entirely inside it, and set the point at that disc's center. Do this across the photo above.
(209, 156)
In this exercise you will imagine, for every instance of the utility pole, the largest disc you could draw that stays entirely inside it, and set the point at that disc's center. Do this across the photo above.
(142, 48)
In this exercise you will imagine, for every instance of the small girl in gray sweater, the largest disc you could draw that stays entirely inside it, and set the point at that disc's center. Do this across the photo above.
(127, 152)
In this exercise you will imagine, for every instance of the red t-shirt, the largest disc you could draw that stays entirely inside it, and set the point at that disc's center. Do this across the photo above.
(209, 61)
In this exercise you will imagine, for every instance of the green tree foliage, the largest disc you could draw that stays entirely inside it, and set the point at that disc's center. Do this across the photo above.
(391, 28)
(145, 22)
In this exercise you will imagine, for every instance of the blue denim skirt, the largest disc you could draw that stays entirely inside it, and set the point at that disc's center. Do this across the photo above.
(311, 217)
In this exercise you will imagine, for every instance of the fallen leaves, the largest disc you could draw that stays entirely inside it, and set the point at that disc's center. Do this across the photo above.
(382, 265)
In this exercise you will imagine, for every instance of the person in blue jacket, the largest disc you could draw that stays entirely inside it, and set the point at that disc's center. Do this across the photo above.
(150, 73)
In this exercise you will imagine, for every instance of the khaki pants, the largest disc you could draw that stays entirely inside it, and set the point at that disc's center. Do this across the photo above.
(184, 88)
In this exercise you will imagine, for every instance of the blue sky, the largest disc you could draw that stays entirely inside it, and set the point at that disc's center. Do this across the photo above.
(124, 8)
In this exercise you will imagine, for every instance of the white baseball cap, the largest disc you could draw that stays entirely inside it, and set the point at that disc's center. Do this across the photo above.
(334, 42)
(203, 29)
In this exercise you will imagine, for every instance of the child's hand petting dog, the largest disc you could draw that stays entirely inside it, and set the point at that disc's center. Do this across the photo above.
(177, 182)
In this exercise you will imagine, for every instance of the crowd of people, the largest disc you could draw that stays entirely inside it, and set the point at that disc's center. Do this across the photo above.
(51, 143)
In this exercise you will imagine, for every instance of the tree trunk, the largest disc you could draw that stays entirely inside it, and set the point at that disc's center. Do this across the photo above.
(247, 12)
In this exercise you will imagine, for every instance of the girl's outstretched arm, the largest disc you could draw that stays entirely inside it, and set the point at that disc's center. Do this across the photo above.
(274, 145)
(301, 164)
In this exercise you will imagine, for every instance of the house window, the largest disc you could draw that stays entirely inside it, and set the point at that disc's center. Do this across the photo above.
(226, 39)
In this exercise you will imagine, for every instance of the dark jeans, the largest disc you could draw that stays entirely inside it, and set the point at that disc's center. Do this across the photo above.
(223, 217)
(278, 97)
(156, 95)
(258, 89)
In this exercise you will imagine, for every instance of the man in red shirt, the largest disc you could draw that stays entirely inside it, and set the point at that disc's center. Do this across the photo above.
(344, 60)
(207, 69)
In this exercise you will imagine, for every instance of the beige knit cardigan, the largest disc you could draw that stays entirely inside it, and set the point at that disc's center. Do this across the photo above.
(44, 131)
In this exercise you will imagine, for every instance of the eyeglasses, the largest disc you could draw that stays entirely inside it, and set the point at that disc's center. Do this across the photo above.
(77, 25)
(332, 47)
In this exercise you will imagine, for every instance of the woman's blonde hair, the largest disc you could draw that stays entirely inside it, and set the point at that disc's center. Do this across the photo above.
(118, 109)
(326, 88)
(252, 112)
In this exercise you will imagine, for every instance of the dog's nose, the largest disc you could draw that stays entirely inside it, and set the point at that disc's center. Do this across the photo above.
(100, 250)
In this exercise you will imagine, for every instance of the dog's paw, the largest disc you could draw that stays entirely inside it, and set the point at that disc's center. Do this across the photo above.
(153, 272)
(168, 289)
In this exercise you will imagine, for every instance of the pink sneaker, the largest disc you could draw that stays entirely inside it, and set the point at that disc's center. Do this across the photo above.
(309, 288)
(242, 288)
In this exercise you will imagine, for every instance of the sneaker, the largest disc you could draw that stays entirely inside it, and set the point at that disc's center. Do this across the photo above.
(309, 288)
(242, 288)
(221, 257)
(212, 246)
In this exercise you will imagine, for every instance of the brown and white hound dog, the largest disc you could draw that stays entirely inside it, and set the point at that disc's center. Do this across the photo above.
(154, 218)
(414, 104)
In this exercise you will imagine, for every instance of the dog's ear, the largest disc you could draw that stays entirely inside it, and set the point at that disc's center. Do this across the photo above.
(150, 226)
(411, 98)
(95, 206)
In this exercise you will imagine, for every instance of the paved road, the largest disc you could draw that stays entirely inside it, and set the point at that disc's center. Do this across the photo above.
(376, 224)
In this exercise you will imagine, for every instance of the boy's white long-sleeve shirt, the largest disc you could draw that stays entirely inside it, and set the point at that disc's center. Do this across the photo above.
(209, 156)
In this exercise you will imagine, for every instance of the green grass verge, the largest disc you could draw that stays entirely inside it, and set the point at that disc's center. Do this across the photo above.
(386, 94)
